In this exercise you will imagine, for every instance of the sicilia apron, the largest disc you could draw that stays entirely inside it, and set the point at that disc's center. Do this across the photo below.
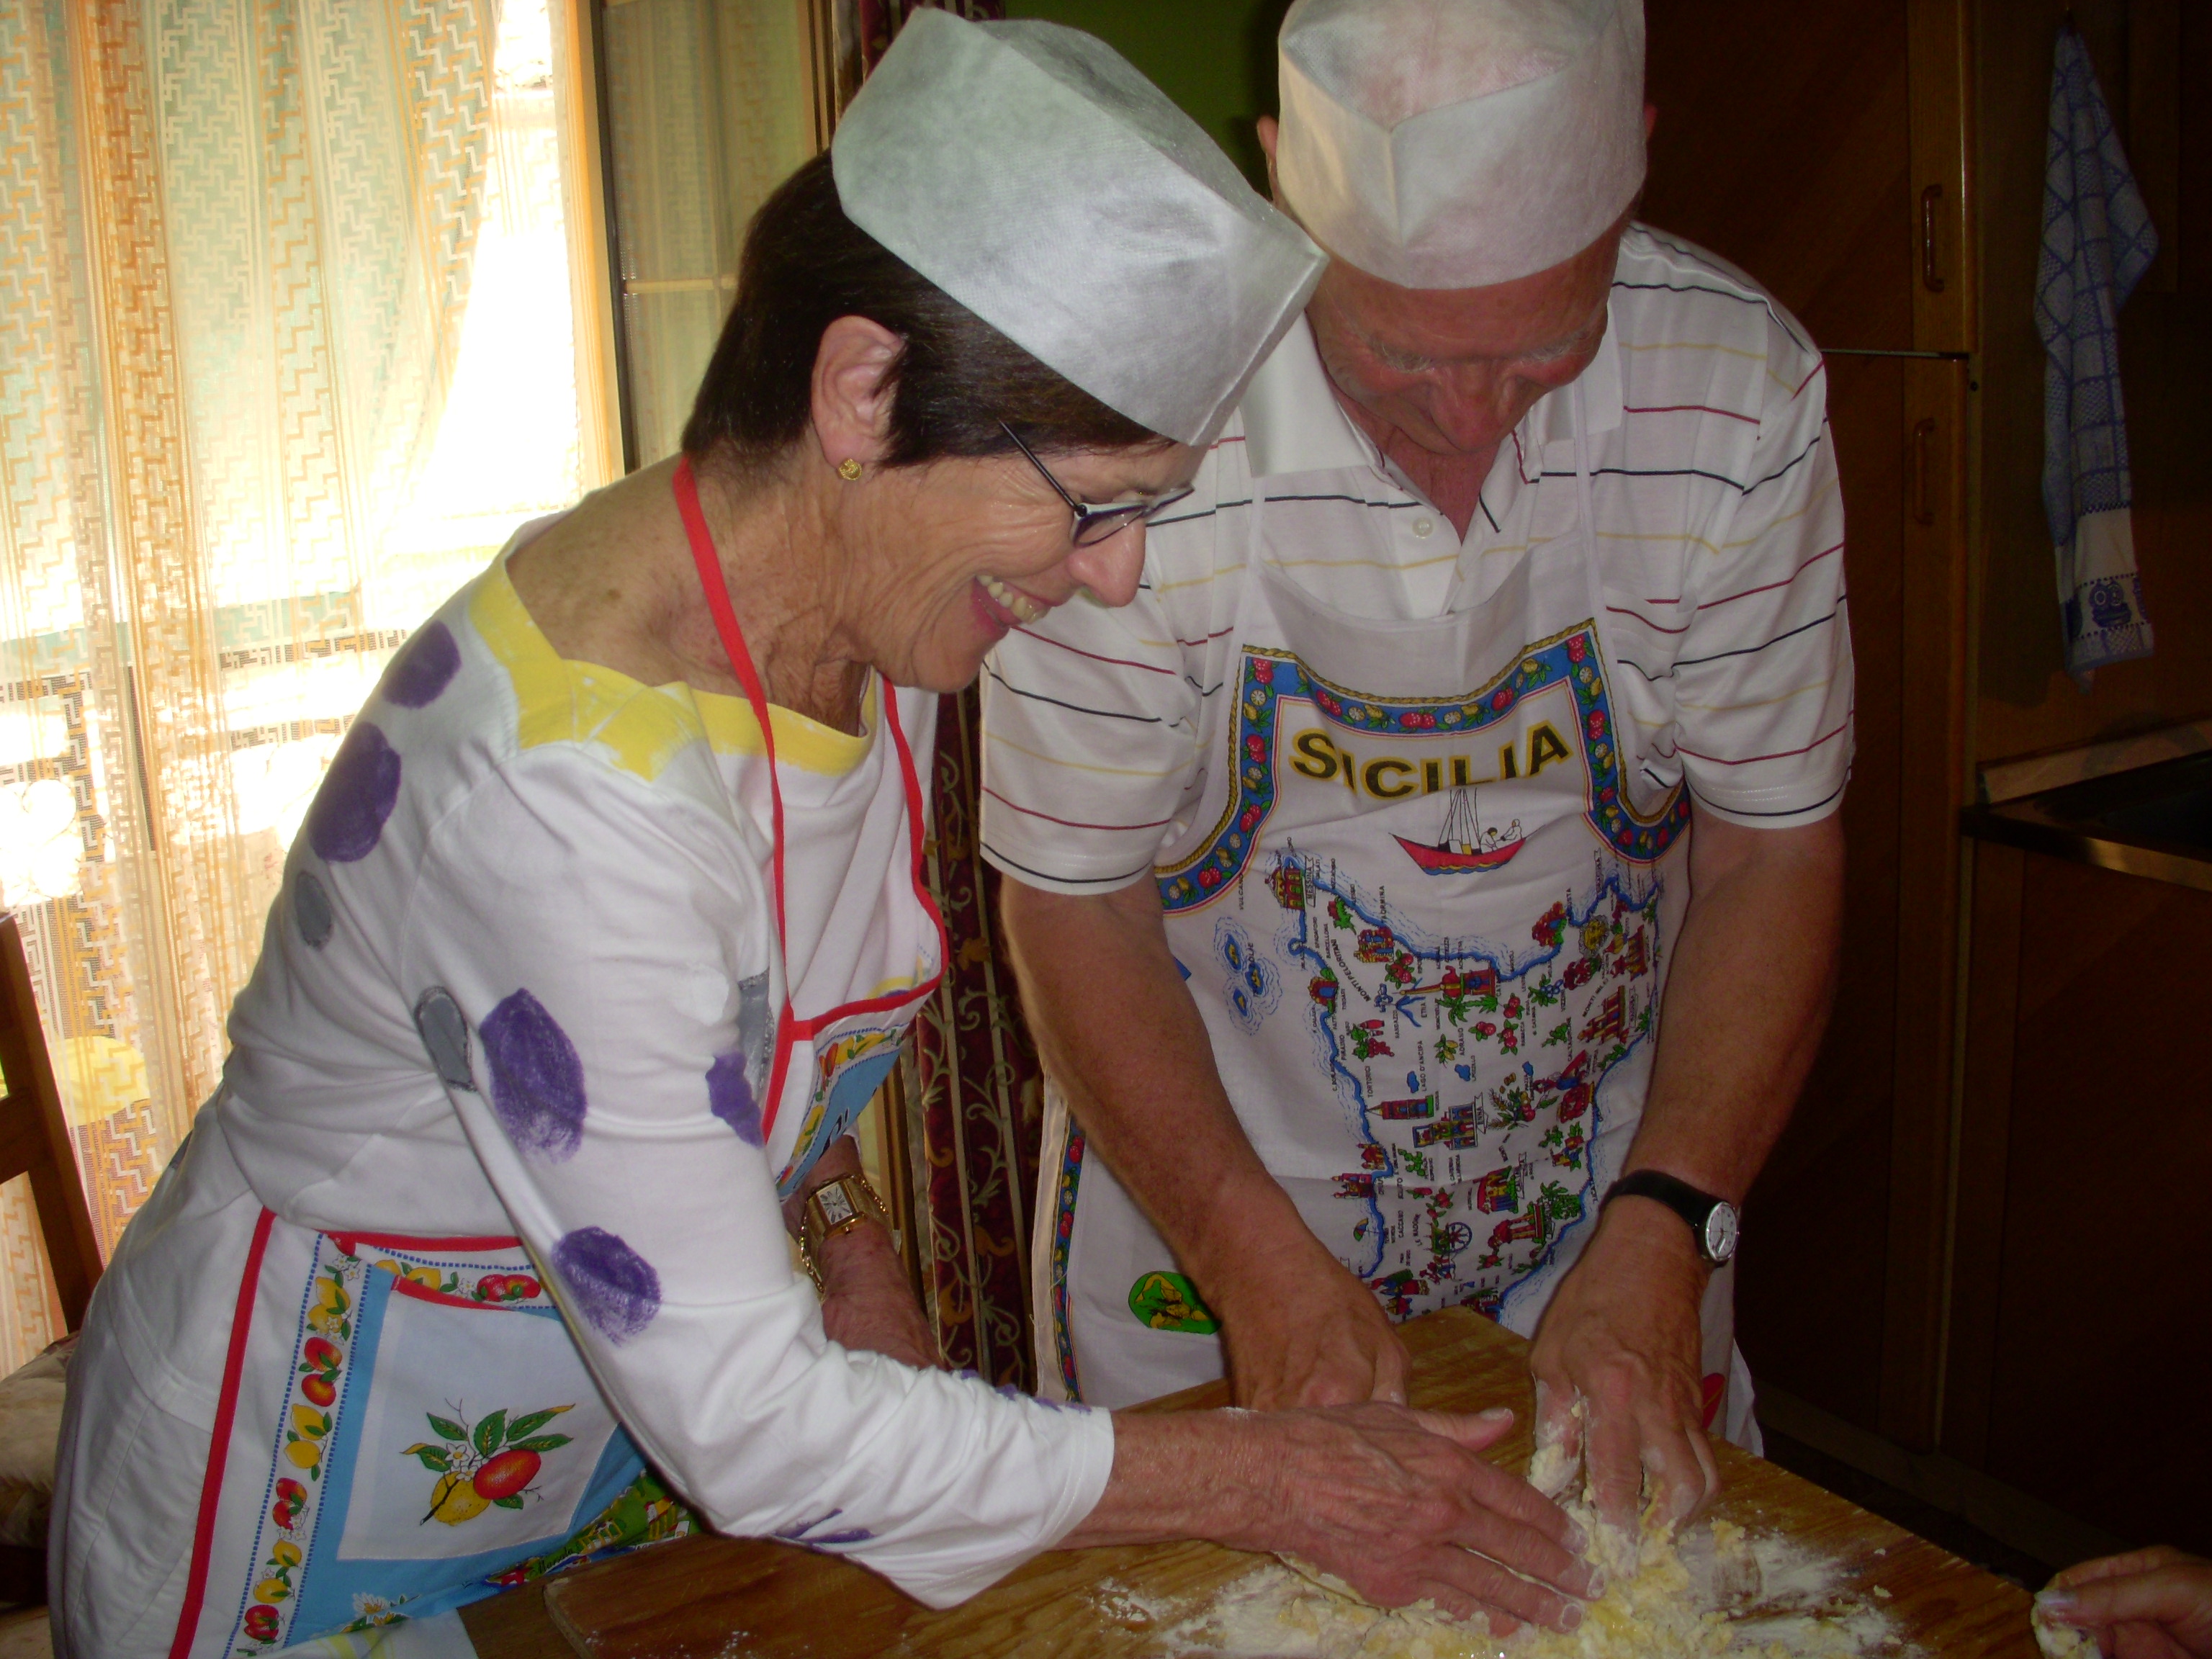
(406, 1425)
(1427, 925)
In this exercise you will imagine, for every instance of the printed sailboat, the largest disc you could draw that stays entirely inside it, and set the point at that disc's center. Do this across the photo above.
(1464, 846)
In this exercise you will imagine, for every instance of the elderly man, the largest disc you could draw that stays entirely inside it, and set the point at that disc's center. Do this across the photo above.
(1427, 892)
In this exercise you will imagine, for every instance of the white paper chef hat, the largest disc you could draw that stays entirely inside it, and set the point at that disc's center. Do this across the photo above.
(1454, 143)
(1030, 172)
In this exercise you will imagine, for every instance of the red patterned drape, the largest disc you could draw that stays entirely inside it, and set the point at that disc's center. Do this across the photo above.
(878, 20)
(973, 1094)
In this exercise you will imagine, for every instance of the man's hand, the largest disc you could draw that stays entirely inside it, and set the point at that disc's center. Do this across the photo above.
(1622, 1333)
(2147, 1604)
(866, 1302)
(1301, 1330)
(1747, 1001)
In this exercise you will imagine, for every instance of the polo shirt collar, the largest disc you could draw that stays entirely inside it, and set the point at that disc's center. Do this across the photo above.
(1293, 420)
(1294, 424)
(1553, 420)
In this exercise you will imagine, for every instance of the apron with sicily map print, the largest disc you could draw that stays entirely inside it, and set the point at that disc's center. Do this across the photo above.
(1427, 928)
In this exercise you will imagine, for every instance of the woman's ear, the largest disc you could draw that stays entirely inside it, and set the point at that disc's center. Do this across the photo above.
(852, 390)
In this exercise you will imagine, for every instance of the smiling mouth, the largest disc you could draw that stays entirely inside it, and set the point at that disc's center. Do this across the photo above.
(1024, 608)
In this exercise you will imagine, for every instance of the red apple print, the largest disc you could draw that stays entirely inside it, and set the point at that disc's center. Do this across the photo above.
(520, 1288)
(319, 1389)
(322, 1355)
(507, 1474)
(261, 1624)
(492, 1287)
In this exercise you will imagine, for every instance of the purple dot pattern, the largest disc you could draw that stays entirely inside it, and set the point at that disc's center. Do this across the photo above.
(423, 669)
(613, 1287)
(356, 797)
(730, 1097)
(311, 909)
(537, 1079)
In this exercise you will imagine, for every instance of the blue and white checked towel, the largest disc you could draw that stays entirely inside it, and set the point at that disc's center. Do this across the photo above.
(2097, 242)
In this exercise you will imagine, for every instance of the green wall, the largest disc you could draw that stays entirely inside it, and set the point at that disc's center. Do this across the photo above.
(1215, 57)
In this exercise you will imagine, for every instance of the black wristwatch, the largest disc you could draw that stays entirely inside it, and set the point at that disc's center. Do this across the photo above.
(1713, 1221)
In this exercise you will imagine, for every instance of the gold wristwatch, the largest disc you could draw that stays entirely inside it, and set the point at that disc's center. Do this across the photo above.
(834, 1208)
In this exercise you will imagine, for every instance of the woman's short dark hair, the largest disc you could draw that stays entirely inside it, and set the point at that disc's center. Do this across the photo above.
(805, 265)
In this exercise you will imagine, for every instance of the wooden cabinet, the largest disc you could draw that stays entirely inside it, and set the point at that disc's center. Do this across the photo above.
(1984, 1236)
(2081, 1340)
(1824, 150)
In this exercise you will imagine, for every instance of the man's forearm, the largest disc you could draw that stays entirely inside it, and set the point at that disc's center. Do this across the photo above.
(1124, 1041)
(1746, 1002)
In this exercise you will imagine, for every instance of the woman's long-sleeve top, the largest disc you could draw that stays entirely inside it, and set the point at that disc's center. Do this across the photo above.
(524, 977)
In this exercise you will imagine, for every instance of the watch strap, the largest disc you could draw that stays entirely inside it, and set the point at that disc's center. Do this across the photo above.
(1694, 1206)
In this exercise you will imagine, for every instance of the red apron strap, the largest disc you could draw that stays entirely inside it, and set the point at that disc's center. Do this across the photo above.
(788, 1027)
(233, 1366)
(741, 663)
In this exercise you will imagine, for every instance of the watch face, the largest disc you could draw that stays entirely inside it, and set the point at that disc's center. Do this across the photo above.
(836, 1207)
(1720, 1231)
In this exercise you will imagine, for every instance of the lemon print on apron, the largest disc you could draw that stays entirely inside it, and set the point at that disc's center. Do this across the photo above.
(1169, 1301)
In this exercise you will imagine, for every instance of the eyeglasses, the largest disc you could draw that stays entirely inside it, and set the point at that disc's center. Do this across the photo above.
(1094, 523)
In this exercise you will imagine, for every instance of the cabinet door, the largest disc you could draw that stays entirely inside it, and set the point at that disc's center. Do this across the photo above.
(2082, 1342)
(1784, 146)
(1931, 790)
(1810, 1287)
(1823, 148)
(1839, 1289)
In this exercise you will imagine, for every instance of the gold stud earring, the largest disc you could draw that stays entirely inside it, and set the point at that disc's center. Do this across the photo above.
(848, 470)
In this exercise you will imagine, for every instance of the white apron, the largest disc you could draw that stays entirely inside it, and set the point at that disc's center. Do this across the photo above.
(406, 1425)
(1427, 925)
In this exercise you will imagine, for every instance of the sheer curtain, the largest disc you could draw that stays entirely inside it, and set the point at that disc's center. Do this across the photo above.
(252, 431)
(710, 106)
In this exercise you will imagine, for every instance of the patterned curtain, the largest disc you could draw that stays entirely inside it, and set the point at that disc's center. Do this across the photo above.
(236, 244)
(972, 1103)
(871, 24)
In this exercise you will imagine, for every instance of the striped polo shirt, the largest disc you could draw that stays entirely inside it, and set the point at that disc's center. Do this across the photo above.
(1720, 539)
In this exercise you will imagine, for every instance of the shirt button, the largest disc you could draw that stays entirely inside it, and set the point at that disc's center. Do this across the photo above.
(1423, 527)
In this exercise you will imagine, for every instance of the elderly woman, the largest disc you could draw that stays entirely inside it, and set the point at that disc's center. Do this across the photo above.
(607, 922)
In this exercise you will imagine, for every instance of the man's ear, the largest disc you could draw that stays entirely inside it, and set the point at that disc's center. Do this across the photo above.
(1269, 130)
(853, 391)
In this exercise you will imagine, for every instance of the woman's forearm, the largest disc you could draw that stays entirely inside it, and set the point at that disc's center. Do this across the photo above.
(1183, 1475)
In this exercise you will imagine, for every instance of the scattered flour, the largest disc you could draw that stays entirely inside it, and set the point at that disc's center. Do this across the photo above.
(1719, 1591)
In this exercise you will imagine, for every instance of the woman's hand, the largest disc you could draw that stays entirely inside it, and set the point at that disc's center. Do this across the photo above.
(866, 1302)
(1394, 1502)
(2147, 1604)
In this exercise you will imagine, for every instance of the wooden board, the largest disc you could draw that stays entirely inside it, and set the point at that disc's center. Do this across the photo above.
(722, 1598)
